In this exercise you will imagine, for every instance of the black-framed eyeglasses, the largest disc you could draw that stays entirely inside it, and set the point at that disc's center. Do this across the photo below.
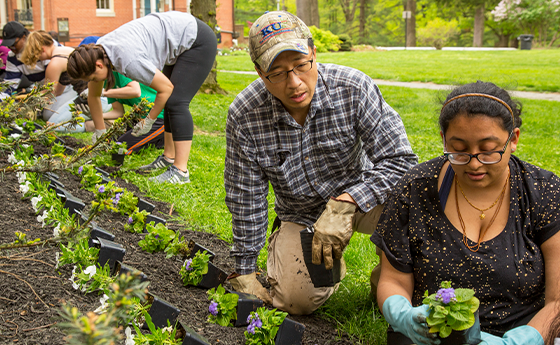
(490, 157)
(300, 69)
(13, 46)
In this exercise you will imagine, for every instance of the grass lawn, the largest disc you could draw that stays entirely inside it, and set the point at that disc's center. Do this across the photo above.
(201, 203)
(522, 70)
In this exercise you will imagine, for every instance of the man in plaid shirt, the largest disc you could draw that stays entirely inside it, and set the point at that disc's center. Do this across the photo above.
(329, 145)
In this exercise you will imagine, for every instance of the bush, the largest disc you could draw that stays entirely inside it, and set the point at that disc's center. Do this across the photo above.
(346, 44)
(438, 32)
(325, 40)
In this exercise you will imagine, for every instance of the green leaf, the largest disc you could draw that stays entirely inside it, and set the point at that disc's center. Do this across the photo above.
(465, 325)
(462, 315)
(445, 331)
(464, 295)
(432, 321)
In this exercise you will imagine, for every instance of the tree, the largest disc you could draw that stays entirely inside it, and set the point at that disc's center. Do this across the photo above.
(410, 5)
(308, 11)
(349, 9)
(205, 10)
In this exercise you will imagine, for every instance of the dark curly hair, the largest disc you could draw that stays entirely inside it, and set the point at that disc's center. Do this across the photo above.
(81, 63)
(477, 105)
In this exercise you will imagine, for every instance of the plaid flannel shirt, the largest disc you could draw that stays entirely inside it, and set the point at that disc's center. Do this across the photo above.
(352, 141)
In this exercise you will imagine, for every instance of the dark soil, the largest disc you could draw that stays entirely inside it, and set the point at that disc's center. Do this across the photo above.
(32, 291)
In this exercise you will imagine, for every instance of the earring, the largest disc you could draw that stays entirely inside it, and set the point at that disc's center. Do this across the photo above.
(512, 150)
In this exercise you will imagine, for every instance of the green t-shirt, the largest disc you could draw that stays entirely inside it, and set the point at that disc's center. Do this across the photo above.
(145, 92)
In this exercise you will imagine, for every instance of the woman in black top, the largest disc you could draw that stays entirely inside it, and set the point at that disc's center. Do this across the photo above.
(478, 217)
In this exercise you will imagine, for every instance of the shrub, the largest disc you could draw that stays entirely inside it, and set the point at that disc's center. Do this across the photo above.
(325, 40)
(346, 44)
(438, 32)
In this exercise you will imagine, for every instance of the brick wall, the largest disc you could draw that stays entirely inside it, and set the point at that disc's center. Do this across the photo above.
(224, 17)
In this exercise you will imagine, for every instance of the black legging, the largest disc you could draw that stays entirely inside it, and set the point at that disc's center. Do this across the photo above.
(187, 75)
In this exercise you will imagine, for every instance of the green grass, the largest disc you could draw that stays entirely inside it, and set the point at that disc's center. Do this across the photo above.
(201, 206)
(523, 70)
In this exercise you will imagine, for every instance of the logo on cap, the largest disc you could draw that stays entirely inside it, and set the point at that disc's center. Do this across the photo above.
(272, 30)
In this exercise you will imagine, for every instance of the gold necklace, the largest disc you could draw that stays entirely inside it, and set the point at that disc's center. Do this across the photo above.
(482, 215)
(483, 232)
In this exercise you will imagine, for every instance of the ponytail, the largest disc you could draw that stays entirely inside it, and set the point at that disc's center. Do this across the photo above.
(34, 47)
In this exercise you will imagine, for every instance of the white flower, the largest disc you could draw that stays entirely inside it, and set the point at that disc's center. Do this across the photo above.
(22, 177)
(15, 135)
(104, 305)
(21, 162)
(24, 146)
(57, 257)
(129, 336)
(34, 201)
(41, 218)
(56, 231)
(24, 188)
(167, 329)
(12, 158)
(75, 285)
(91, 270)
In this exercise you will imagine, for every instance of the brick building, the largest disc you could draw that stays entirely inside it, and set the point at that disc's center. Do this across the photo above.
(82, 18)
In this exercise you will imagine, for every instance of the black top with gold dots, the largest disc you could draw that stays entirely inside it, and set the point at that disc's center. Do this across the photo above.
(507, 272)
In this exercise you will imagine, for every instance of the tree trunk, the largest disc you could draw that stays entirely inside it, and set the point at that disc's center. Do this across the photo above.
(205, 10)
(349, 9)
(363, 9)
(308, 11)
(411, 25)
(479, 25)
(503, 41)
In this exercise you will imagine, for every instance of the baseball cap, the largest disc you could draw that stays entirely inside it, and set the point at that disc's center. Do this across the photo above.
(276, 32)
(11, 32)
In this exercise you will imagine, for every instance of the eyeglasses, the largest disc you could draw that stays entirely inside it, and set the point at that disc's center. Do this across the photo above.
(490, 157)
(300, 69)
(13, 46)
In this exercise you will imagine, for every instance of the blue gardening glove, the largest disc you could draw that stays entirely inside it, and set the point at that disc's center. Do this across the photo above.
(522, 335)
(409, 321)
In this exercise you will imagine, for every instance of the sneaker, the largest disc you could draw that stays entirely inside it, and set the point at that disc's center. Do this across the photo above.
(160, 162)
(171, 175)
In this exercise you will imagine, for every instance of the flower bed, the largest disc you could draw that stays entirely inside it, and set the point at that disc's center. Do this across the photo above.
(32, 291)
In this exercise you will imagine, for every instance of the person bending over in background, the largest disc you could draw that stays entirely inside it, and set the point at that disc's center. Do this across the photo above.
(329, 144)
(479, 217)
(179, 45)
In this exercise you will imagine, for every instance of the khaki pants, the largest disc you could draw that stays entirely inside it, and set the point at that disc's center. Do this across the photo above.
(291, 287)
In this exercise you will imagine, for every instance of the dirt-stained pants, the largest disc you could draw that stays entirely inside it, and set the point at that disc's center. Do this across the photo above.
(291, 287)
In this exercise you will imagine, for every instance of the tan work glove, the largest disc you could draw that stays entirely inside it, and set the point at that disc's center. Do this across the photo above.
(333, 231)
(143, 126)
(248, 283)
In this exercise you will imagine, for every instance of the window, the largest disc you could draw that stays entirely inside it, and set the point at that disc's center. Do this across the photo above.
(105, 8)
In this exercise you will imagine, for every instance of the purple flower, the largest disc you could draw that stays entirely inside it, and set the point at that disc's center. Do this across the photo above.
(251, 329)
(157, 236)
(101, 189)
(446, 295)
(118, 143)
(213, 308)
(130, 220)
(24, 124)
(188, 265)
(80, 170)
(117, 199)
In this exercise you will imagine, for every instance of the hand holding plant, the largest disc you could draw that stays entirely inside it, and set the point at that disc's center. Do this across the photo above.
(194, 269)
(451, 309)
(223, 306)
(263, 326)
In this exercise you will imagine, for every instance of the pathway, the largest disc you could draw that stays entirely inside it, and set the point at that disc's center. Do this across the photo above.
(548, 96)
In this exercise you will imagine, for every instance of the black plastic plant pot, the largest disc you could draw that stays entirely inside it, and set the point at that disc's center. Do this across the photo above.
(121, 268)
(53, 175)
(189, 336)
(118, 158)
(195, 247)
(320, 275)
(161, 311)
(70, 150)
(213, 278)
(143, 205)
(54, 182)
(109, 252)
(289, 333)
(151, 218)
(102, 172)
(37, 126)
(14, 130)
(245, 305)
(105, 180)
(469, 336)
(59, 141)
(96, 233)
(73, 205)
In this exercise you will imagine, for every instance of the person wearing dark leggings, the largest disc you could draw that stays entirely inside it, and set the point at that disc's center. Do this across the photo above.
(172, 53)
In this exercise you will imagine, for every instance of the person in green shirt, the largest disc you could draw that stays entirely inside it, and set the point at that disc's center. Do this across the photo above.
(129, 92)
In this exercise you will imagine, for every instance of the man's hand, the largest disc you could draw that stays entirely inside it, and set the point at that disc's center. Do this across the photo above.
(97, 134)
(84, 108)
(333, 231)
(248, 283)
(143, 127)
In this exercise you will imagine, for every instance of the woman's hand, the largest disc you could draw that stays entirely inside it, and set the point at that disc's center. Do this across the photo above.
(516, 336)
(408, 320)
(143, 127)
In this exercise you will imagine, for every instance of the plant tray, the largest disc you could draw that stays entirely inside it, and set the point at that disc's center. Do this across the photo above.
(161, 311)
(195, 247)
(110, 252)
(151, 218)
(144, 205)
(289, 333)
(320, 276)
(96, 233)
(213, 278)
(189, 336)
(73, 205)
(118, 158)
(121, 268)
(246, 304)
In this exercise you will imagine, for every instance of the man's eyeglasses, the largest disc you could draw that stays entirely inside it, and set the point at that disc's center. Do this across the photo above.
(13, 46)
(490, 157)
(300, 69)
